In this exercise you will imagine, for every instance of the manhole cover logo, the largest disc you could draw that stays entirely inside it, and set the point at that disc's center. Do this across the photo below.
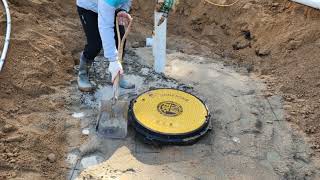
(169, 108)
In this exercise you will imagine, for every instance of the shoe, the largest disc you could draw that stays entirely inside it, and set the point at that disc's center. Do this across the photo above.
(125, 84)
(84, 83)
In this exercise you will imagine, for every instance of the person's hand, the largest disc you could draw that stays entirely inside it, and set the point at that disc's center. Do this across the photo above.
(159, 5)
(115, 68)
(124, 18)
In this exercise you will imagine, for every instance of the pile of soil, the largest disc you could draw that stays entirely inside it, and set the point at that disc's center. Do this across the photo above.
(279, 40)
(32, 94)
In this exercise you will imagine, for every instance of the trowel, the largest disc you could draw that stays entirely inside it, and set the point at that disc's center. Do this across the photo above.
(112, 121)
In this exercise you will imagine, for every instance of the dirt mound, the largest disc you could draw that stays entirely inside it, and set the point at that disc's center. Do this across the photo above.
(39, 64)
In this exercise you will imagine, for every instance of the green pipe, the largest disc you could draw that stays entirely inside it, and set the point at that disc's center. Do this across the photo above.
(165, 8)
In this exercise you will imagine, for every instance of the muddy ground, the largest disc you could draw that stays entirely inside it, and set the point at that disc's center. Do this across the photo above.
(278, 41)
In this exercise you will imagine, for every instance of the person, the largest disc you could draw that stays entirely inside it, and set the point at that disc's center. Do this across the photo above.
(98, 21)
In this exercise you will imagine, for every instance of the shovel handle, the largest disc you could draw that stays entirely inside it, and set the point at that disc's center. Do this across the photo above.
(116, 92)
(122, 41)
(120, 55)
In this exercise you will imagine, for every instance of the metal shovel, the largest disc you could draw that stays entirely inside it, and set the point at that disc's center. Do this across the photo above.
(112, 119)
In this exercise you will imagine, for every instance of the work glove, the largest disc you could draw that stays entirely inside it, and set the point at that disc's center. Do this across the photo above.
(124, 18)
(115, 68)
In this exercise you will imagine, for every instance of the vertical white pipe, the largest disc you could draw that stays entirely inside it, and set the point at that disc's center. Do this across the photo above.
(154, 45)
(8, 32)
(160, 44)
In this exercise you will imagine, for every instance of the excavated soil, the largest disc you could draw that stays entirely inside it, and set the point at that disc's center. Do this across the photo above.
(33, 98)
(278, 40)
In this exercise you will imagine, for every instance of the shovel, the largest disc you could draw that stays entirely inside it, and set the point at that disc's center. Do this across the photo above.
(112, 119)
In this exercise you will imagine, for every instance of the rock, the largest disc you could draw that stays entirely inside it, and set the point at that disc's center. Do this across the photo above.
(263, 52)
(273, 156)
(247, 6)
(284, 88)
(300, 100)
(86, 131)
(16, 138)
(293, 113)
(72, 158)
(135, 44)
(89, 161)
(241, 45)
(288, 118)
(8, 128)
(249, 68)
(51, 158)
(2, 135)
(287, 107)
(10, 154)
(268, 94)
(310, 130)
(289, 99)
(244, 27)
(315, 146)
(292, 45)
(145, 71)
(269, 122)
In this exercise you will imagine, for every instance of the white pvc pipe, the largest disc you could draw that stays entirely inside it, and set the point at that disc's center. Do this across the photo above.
(8, 32)
(154, 45)
(312, 3)
(160, 44)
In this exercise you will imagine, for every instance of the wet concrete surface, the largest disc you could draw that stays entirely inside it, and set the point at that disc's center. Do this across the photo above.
(250, 139)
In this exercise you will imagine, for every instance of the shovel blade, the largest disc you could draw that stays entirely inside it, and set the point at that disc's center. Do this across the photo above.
(112, 119)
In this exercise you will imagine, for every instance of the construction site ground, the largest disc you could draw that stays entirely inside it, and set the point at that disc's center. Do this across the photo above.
(255, 64)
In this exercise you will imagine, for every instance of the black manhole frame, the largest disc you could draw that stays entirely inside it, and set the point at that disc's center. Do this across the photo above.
(151, 137)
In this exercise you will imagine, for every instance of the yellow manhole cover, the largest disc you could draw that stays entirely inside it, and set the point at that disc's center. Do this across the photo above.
(170, 112)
